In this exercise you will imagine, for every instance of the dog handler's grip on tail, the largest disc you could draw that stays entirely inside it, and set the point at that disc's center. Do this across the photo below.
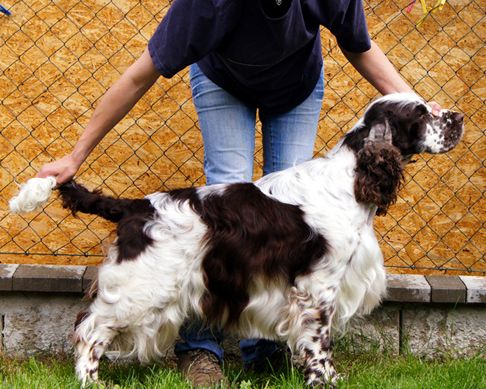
(33, 194)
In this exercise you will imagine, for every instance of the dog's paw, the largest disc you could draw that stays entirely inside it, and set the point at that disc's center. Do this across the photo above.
(98, 385)
(323, 379)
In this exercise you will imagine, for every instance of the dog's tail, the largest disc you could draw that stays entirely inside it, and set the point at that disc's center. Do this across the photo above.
(77, 198)
(33, 194)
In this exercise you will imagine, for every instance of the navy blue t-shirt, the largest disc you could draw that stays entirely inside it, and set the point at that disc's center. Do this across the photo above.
(265, 52)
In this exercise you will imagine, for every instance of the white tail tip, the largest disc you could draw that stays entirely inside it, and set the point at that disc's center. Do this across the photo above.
(33, 194)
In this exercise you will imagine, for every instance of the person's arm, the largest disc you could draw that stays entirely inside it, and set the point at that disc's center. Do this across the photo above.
(378, 70)
(114, 105)
(375, 67)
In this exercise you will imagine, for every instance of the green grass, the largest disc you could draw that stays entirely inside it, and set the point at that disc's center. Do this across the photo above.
(362, 371)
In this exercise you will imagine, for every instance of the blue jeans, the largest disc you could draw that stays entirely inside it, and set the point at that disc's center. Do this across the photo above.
(228, 130)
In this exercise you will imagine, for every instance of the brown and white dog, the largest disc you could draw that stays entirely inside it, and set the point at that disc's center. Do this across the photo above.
(285, 258)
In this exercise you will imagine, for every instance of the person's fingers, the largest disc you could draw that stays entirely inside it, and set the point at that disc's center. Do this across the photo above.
(46, 171)
(64, 177)
(62, 170)
(436, 108)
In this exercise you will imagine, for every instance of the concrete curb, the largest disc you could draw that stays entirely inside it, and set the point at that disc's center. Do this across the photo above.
(427, 315)
(405, 288)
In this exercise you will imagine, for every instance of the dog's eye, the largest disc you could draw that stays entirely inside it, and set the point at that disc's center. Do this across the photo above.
(421, 110)
(414, 130)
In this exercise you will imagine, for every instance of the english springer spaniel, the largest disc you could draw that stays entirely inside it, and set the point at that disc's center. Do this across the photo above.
(284, 258)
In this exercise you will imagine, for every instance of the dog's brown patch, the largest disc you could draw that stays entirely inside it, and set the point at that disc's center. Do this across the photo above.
(250, 235)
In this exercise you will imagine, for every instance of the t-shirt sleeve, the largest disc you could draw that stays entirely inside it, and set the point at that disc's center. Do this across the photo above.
(347, 22)
(190, 30)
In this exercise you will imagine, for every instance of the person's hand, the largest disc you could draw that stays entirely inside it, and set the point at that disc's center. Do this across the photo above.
(62, 169)
(435, 108)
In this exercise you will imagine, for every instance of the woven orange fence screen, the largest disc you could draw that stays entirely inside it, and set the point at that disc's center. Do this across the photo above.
(57, 58)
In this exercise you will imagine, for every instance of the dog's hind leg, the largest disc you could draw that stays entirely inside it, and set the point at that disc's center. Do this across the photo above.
(92, 336)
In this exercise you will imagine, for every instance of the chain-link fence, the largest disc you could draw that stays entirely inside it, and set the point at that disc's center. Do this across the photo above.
(57, 58)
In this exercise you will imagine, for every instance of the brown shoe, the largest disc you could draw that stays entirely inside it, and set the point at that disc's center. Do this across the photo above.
(201, 368)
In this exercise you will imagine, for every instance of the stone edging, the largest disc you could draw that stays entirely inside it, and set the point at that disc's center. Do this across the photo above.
(407, 288)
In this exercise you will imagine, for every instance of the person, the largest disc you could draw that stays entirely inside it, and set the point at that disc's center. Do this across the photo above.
(245, 57)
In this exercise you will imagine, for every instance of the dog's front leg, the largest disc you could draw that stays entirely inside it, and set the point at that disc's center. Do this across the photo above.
(316, 349)
(314, 345)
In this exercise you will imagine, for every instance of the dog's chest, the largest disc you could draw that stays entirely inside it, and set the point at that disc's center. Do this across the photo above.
(345, 231)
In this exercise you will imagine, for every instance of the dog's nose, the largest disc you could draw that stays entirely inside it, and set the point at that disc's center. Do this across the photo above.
(458, 117)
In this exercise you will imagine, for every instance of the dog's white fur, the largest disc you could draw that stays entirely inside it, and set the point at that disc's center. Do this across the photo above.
(146, 300)
(142, 303)
(33, 194)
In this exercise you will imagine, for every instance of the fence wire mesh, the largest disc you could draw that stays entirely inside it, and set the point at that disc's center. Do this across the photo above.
(57, 58)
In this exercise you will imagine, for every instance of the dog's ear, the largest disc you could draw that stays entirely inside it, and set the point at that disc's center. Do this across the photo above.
(380, 132)
(379, 169)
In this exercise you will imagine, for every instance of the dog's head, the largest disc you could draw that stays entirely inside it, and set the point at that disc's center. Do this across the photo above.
(409, 125)
(394, 128)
